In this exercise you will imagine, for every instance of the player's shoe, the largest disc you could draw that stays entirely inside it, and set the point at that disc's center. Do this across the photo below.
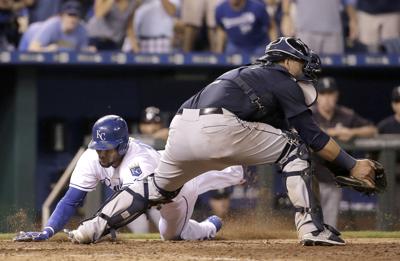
(322, 238)
(216, 221)
(77, 237)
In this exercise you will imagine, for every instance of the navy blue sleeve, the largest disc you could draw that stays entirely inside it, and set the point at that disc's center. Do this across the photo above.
(290, 97)
(65, 209)
(309, 131)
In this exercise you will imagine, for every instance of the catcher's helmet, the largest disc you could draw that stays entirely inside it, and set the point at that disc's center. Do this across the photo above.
(110, 132)
(294, 48)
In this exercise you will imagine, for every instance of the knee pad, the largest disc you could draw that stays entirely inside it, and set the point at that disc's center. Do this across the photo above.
(120, 209)
(304, 194)
(294, 149)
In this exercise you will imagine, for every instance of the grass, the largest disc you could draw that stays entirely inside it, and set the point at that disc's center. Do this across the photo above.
(371, 234)
(156, 236)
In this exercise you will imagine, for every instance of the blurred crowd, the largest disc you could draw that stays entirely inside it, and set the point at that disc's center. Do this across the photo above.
(218, 26)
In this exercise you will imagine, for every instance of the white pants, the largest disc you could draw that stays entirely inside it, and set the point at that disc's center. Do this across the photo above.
(375, 28)
(141, 225)
(175, 222)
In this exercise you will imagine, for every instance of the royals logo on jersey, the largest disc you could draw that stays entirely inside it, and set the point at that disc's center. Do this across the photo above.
(136, 171)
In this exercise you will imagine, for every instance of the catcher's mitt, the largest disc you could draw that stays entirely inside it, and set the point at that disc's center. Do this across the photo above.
(362, 186)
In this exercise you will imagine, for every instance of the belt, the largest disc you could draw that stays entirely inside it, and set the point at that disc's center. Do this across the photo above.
(205, 111)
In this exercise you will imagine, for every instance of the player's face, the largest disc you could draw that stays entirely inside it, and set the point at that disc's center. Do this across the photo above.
(237, 3)
(295, 67)
(70, 22)
(327, 101)
(108, 158)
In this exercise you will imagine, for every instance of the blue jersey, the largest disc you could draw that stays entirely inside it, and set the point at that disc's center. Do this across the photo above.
(51, 33)
(246, 28)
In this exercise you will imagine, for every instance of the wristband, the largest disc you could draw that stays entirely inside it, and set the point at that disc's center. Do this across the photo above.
(49, 230)
(344, 160)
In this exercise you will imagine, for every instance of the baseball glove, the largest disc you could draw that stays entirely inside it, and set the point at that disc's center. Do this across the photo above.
(361, 185)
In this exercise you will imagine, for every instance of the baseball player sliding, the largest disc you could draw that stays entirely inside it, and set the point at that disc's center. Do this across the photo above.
(117, 161)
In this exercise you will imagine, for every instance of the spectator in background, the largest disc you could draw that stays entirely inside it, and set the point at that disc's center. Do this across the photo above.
(391, 124)
(193, 13)
(110, 23)
(41, 10)
(274, 9)
(7, 20)
(318, 23)
(153, 25)
(378, 20)
(21, 9)
(151, 128)
(244, 25)
(62, 32)
(343, 124)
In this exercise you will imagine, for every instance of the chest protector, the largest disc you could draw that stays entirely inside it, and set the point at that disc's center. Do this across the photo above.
(266, 105)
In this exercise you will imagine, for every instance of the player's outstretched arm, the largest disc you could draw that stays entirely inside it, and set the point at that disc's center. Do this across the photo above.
(63, 212)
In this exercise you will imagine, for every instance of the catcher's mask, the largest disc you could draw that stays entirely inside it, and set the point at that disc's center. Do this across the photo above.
(294, 48)
(110, 132)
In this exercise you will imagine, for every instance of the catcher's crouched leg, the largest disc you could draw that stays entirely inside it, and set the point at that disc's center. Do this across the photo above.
(303, 192)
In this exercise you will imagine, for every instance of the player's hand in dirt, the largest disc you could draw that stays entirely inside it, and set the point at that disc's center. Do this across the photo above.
(32, 236)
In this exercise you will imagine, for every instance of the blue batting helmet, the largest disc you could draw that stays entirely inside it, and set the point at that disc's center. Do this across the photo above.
(294, 48)
(110, 132)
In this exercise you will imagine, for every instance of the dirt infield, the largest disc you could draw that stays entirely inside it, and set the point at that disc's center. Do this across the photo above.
(238, 240)
(135, 249)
